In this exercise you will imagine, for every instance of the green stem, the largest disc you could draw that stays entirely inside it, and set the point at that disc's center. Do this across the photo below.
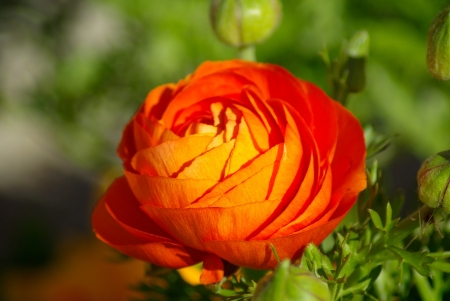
(247, 53)
(333, 291)
(408, 224)
(340, 92)
(426, 292)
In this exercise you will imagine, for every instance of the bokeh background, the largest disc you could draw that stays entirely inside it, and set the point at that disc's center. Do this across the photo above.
(72, 72)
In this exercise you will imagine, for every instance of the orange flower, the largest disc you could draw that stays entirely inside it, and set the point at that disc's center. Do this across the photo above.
(235, 157)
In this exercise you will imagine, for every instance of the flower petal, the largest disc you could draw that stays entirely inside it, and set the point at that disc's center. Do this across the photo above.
(276, 82)
(257, 131)
(325, 128)
(245, 192)
(128, 214)
(166, 159)
(211, 67)
(148, 132)
(297, 168)
(213, 85)
(349, 162)
(160, 250)
(244, 149)
(257, 254)
(193, 226)
(295, 206)
(157, 101)
(267, 159)
(209, 165)
(265, 113)
(166, 192)
(213, 270)
(313, 212)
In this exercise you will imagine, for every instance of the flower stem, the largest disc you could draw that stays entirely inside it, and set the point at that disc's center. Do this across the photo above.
(247, 53)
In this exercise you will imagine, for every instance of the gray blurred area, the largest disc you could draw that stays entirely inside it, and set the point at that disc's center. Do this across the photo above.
(44, 196)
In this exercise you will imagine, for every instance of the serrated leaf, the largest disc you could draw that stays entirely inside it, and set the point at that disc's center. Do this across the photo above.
(418, 260)
(376, 219)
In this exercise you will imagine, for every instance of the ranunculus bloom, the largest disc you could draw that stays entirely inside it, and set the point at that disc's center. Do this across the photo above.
(233, 158)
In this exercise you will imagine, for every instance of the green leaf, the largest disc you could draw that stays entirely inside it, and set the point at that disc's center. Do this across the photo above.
(320, 263)
(441, 266)
(374, 172)
(253, 275)
(376, 142)
(373, 275)
(225, 292)
(362, 254)
(376, 219)
(359, 287)
(424, 288)
(418, 260)
(445, 254)
(407, 225)
(313, 254)
(388, 215)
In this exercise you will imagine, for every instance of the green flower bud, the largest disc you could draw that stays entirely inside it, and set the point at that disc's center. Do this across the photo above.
(291, 283)
(438, 52)
(241, 23)
(357, 52)
(434, 179)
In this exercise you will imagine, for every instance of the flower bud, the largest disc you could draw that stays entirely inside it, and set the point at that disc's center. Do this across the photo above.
(438, 48)
(240, 23)
(357, 51)
(289, 283)
(434, 179)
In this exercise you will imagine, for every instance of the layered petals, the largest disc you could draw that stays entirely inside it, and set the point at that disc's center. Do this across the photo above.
(132, 233)
(236, 157)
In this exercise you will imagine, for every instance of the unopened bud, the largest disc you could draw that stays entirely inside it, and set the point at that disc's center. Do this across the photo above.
(288, 283)
(357, 52)
(241, 23)
(438, 48)
(434, 179)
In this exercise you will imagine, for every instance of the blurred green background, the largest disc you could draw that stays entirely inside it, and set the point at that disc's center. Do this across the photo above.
(72, 72)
